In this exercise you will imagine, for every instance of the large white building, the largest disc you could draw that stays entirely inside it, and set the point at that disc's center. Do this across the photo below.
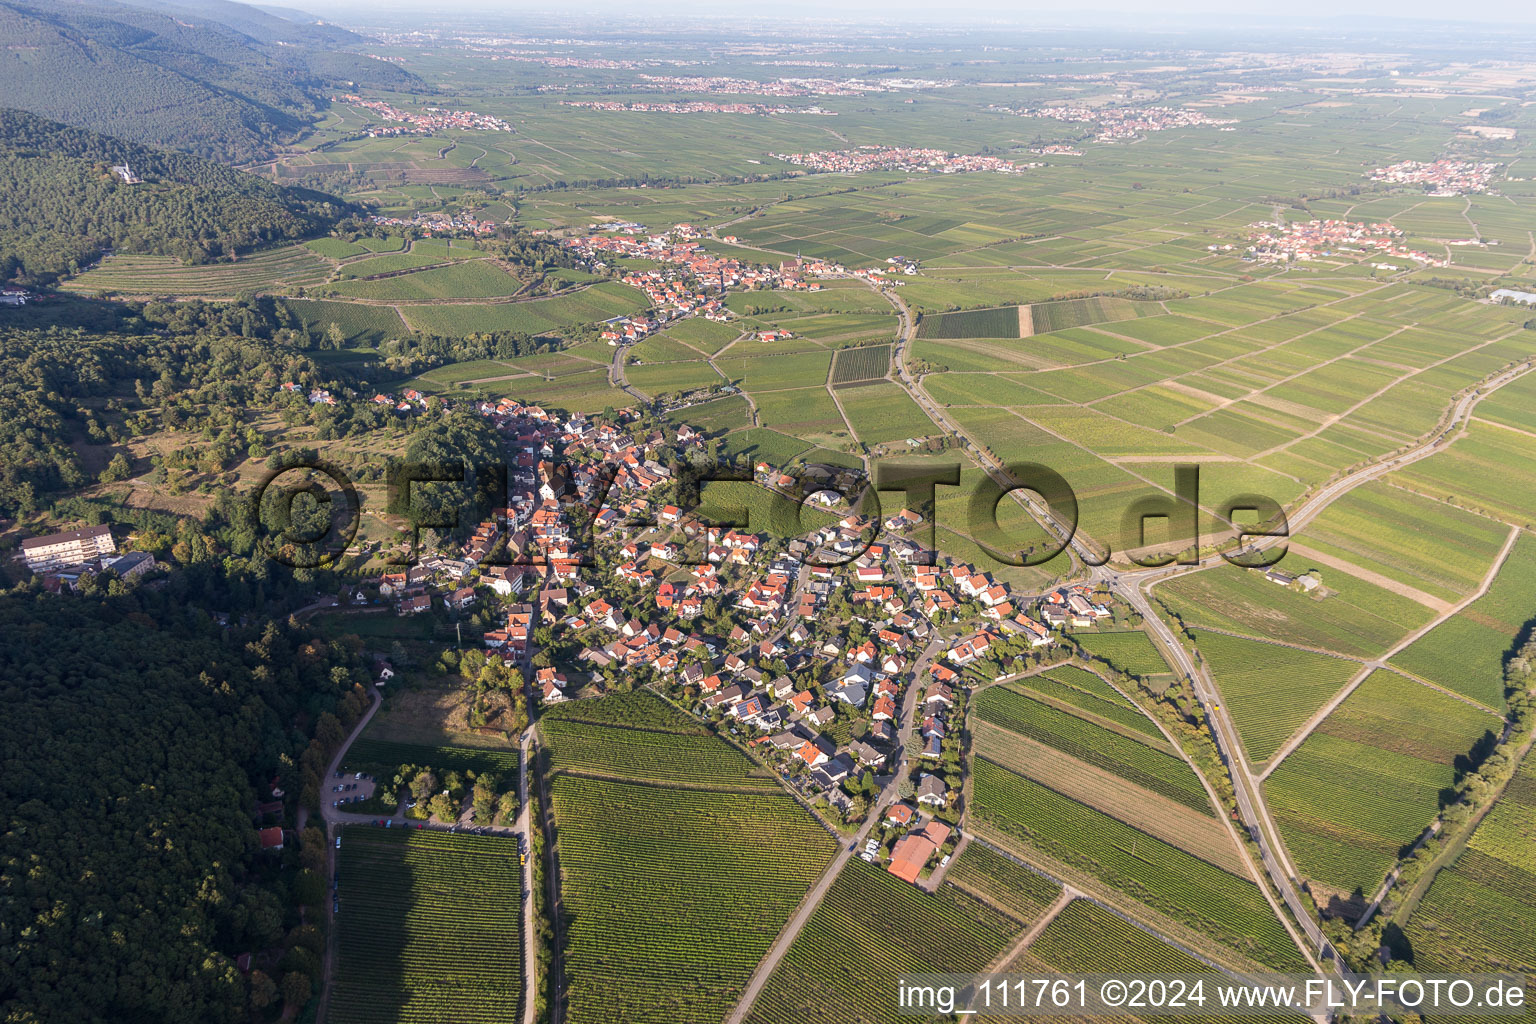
(73, 548)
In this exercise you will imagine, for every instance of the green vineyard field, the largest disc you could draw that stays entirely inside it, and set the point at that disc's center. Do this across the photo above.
(430, 928)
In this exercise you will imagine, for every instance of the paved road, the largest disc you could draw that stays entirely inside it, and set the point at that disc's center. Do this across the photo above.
(617, 378)
(1130, 585)
(530, 951)
(1127, 586)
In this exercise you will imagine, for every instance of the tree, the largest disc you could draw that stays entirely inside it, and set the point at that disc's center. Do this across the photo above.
(118, 469)
(424, 785)
(312, 849)
(263, 990)
(296, 988)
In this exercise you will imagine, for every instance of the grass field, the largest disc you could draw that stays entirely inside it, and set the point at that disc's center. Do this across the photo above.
(679, 861)
(430, 928)
(870, 928)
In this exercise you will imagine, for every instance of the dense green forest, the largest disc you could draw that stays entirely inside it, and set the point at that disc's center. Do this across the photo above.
(186, 366)
(226, 82)
(139, 736)
(61, 205)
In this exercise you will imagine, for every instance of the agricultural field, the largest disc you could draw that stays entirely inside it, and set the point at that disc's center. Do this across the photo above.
(1087, 939)
(1086, 691)
(1191, 831)
(1216, 903)
(1369, 780)
(1129, 651)
(1466, 653)
(382, 758)
(1047, 317)
(1130, 754)
(274, 270)
(1269, 690)
(1001, 322)
(1476, 914)
(680, 861)
(1426, 545)
(863, 363)
(362, 325)
(1352, 616)
(468, 279)
(871, 927)
(883, 412)
(1002, 882)
(536, 316)
(670, 750)
(429, 928)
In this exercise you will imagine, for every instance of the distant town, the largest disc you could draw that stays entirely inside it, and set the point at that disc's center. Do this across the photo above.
(899, 158)
(1121, 124)
(1441, 177)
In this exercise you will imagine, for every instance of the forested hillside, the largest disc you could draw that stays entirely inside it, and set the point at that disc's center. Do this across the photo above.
(177, 77)
(139, 735)
(61, 205)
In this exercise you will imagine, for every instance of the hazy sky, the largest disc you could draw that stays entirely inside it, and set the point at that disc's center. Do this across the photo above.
(1119, 13)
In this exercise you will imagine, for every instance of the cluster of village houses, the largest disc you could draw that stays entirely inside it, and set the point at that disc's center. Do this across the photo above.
(1440, 177)
(818, 700)
(1121, 124)
(906, 159)
(690, 280)
(440, 222)
(722, 85)
(696, 107)
(431, 119)
(1302, 241)
(315, 396)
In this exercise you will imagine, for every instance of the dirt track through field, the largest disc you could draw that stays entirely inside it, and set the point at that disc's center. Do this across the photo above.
(1436, 604)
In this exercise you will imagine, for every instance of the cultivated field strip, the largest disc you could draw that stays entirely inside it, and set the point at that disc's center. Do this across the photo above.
(1193, 832)
(430, 928)
(1152, 768)
(1229, 909)
(870, 929)
(680, 861)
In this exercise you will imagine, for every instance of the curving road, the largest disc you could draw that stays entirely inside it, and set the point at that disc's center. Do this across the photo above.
(1131, 585)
